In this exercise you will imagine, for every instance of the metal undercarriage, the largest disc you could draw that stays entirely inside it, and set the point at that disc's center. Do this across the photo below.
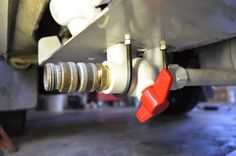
(183, 24)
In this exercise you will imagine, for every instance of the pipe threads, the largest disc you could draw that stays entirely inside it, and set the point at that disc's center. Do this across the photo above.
(71, 77)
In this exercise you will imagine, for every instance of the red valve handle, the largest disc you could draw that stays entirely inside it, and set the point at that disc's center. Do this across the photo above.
(154, 98)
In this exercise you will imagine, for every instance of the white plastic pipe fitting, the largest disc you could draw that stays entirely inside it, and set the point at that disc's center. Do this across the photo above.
(144, 75)
(180, 76)
(76, 14)
(117, 63)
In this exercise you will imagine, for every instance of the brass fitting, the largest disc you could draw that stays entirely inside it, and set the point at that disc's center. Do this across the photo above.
(103, 76)
(71, 77)
(49, 76)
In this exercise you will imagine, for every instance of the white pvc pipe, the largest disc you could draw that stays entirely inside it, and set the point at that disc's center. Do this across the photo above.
(208, 77)
(117, 63)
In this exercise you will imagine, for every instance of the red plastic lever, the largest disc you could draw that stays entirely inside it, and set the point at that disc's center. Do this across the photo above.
(154, 98)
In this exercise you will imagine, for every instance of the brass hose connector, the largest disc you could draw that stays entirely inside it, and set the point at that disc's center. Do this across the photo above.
(103, 76)
(71, 77)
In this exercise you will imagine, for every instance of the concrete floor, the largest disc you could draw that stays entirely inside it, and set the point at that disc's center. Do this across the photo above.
(115, 132)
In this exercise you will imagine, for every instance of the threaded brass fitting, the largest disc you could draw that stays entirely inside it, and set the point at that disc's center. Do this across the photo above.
(71, 77)
(103, 76)
(60, 77)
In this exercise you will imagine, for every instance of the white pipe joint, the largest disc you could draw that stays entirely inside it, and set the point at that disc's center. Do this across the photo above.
(144, 75)
(180, 76)
(117, 63)
(155, 57)
(76, 14)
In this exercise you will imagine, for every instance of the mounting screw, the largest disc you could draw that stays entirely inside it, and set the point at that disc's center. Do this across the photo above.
(163, 45)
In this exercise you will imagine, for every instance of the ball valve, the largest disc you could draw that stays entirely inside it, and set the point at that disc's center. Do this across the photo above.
(154, 98)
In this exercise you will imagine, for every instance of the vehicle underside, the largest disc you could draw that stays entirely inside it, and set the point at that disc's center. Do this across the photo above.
(158, 51)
